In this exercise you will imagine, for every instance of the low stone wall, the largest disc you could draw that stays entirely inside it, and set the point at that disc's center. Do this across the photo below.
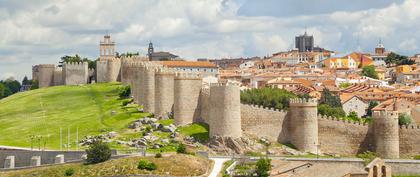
(343, 137)
(23, 158)
(409, 141)
(264, 122)
(404, 167)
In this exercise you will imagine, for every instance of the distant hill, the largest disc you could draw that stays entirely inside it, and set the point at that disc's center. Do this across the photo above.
(93, 109)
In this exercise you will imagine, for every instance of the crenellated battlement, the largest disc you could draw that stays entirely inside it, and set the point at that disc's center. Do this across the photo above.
(339, 120)
(385, 114)
(413, 127)
(223, 84)
(76, 64)
(46, 66)
(303, 102)
(165, 71)
(188, 75)
(264, 108)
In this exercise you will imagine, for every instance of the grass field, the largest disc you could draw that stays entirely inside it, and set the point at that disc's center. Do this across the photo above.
(174, 165)
(92, 109)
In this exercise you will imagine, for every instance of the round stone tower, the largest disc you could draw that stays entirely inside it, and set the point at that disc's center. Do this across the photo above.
(113, 70)
(164, 92)
(45, 75)
(140, 81)
(149, 89)
(386, 134)
(187, 88)
(225, 110)
(303, 124)
(135, 81)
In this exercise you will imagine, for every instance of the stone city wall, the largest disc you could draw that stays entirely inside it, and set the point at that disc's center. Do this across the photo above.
(75, 73)
(264, 122)
(58, 77)
(409, 140)
(343, 137)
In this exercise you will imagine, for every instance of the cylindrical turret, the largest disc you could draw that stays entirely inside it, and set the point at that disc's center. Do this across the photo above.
(45, 75)
(149, 89)
(225, 110)
(164, 93)
(135, 81)
(187, 88)
(386, 134)
(113, 70)
(303, 124)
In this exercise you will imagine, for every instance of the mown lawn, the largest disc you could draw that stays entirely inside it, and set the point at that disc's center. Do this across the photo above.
(174, 165)
(92, 109)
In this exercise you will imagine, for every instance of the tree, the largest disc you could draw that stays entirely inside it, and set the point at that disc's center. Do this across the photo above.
(327, 110)
(181, 149)
(353, 116)
(263, 167)
(34, 84)
(268, 97)
(372, 104)
(404, 119)
(12, 84)
(2, 91)
(369, 71)
(25, 81)
(330, 99)
(98, 152)
(395, 59)
(77, 58)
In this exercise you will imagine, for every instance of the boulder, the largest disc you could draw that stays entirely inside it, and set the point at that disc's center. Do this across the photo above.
(168, 129)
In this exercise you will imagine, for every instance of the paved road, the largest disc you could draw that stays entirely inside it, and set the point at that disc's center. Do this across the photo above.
(218, 165)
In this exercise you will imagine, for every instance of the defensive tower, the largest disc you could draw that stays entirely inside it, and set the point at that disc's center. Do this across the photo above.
(149, 89)
(225, 110)
(187, 88)
(386, 134)
(164, 93)
(303, 124)
(45, 75)
(113, 70)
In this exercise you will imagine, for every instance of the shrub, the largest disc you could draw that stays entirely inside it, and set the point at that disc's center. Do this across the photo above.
(125, 102)
(146, 165)
(367, 156)
(263, 167)
(124, 92)
(181, 149)
(158, 155)
(404, 119)
(417, 157)
(69, 172)
(98, 152)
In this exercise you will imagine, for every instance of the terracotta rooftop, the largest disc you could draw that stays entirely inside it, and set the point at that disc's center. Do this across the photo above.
(192, 64)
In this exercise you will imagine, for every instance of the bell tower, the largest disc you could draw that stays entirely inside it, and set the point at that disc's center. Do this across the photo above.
(106, 48)
(150, 50)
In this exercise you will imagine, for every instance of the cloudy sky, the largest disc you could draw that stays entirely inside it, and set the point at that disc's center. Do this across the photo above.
(41, 31)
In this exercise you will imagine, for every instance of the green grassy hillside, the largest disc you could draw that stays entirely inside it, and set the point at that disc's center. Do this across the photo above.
(93, 109)
(173, 165)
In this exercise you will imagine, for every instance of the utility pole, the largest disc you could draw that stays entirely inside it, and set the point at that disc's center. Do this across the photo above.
(68, 138)
(77, 138)
(61, 139)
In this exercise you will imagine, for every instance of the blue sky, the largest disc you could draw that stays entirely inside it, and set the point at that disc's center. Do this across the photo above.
(33, 32)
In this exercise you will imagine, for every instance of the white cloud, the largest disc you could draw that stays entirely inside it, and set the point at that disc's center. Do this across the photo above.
(42, 31)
